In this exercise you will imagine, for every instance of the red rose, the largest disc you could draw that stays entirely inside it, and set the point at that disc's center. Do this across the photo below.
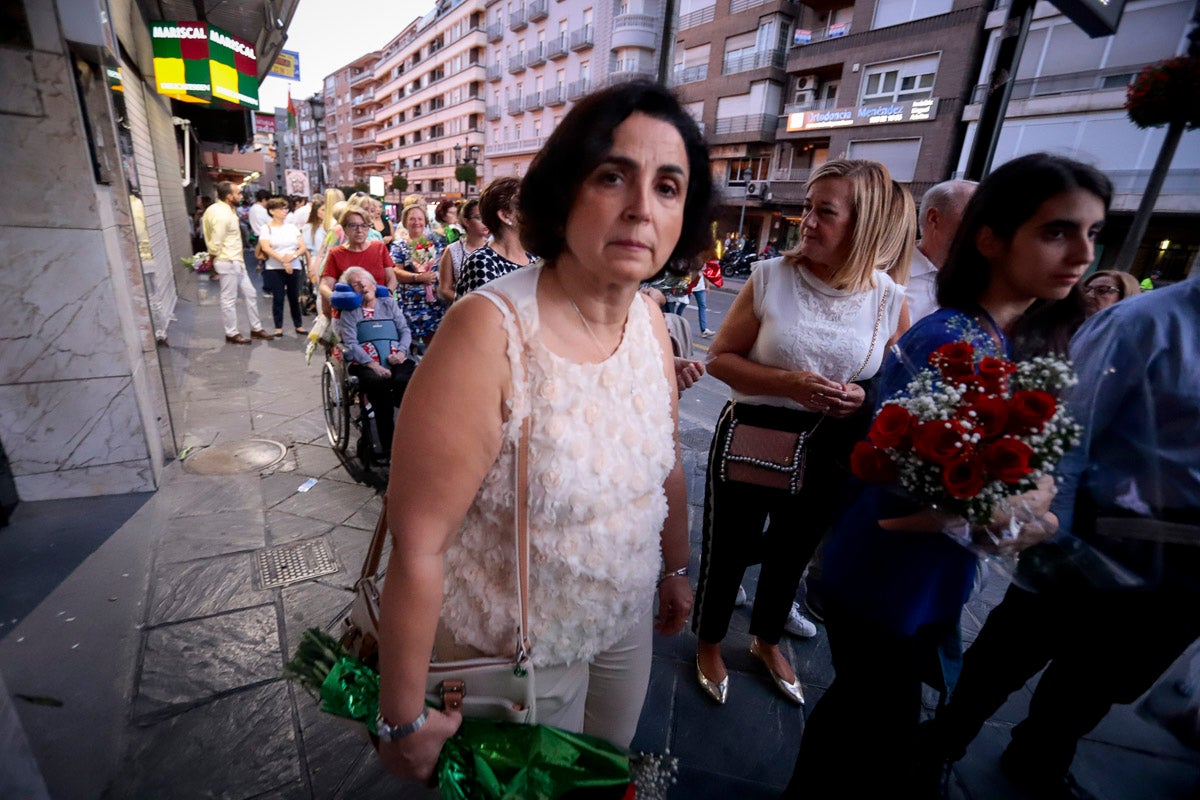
(963, 478)
(988, 414)
(994, 372)
(941, 441)
(972, 386)
(872, 464)
(954, 359)
(1029, 410)
(892, 427)
(1007, 459)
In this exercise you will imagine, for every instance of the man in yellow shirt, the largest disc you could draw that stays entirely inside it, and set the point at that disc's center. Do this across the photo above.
(223, 237)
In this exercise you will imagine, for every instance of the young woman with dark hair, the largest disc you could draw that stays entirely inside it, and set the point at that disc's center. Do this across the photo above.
(504, 253)
(893, 584)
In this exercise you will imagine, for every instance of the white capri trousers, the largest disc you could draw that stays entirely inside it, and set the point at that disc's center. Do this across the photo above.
(234, 279)
(602, 697)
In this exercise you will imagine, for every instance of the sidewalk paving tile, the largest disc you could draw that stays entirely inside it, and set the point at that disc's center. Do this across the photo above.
(283, 528)
(199, 659)
(330, 501)
(237, 746)
(312, 604)
(193, 495)
(190, 538)
(204, 587)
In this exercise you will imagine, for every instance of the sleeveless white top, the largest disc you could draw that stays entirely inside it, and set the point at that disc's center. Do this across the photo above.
(804, 324)
(601, 446)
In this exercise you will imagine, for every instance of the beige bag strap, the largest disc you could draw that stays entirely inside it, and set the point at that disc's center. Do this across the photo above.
(375, 552)
(521, 486)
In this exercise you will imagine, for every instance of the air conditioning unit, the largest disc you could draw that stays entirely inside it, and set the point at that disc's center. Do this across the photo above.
(805, 97)
(759, 189)
(806, 83)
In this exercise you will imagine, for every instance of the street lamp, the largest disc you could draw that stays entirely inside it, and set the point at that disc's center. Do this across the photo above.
(466, 155)
(316, 105)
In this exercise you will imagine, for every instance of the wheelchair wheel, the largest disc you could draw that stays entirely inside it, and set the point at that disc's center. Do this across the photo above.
(337, 407)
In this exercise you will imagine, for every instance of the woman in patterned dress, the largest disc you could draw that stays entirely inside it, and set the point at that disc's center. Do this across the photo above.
(416, 256)
(498, 208)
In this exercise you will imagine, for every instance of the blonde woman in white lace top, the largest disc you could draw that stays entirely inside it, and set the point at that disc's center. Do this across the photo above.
(800, 338)
(622, 186)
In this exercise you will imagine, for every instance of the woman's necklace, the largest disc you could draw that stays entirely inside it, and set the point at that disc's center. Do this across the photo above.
(599, 347)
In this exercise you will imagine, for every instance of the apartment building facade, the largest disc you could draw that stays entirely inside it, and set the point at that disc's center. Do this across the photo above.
(338, 94)
(544, 54)
(729, 69)
(1068, 98)
(421, 113)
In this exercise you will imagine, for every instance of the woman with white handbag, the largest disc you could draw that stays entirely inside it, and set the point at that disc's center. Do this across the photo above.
(550, 395)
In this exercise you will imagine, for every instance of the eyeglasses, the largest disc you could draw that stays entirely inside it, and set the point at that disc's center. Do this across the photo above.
(1101, 290)
(356, 226)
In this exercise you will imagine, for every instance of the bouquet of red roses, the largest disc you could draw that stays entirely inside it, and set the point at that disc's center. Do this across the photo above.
(969, 434)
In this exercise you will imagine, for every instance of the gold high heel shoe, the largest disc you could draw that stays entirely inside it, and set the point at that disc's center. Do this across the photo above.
(717, 690)
(791, 690)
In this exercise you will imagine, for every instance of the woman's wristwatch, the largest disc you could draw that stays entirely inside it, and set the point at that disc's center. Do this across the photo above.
(394, 733)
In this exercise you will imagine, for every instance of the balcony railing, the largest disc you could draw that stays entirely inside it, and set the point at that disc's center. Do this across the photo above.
(637, 22)
(577, 89)
(1096, 80)
(756, 59)
(556, 96)
(495, 32)
(747, 123)
(736, 6)
(494, 73)
(517, 20)
(629, 70)
(557, 48)
(492, 113)
(516, 64)
(519, 146)
(362, 77)
(515, 106)
(533, 101)
(582, 38)
(836, 31)
(697, 17)
(791, 175)
(536, 56)
(366, 96)
(538, 9)
(815, 105)
(691, 74)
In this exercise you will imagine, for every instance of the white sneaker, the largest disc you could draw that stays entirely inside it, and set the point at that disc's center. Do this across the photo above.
(741, 597)
(708, 333)
(799, 625)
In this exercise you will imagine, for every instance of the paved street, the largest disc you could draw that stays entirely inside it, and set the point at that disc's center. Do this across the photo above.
(145, 662)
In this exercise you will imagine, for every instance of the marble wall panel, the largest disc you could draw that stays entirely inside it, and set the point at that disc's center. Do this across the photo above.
(43, 25)
(59, 320)
(134, 476)
(46, 158)
(18, 92)
(68, 425)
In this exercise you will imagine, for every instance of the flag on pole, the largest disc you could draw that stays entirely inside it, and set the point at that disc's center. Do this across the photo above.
(291, 109)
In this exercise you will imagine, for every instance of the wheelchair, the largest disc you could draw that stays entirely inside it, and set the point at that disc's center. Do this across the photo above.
(345, 404)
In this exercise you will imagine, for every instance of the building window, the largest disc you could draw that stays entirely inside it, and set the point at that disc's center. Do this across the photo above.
(911, 79)
(895, 12)
(898, 155)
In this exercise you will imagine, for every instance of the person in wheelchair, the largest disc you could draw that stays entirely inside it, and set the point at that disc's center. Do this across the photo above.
(375, 340)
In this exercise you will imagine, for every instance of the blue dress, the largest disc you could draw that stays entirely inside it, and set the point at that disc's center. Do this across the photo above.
(902, 580)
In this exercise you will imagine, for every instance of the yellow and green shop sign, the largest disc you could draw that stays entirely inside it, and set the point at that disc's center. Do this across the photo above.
(199, 63)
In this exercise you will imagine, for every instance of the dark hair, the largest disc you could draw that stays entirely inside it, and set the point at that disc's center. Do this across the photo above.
(276, 202)
(225, 189)
(261, 194)
(1005, 200)
(468, 208)
(439, 212)
(582, 140)
(497, 196)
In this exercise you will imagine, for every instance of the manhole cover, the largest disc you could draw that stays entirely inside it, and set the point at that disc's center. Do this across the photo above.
(279, 566)
(251, 455)
(696, 438)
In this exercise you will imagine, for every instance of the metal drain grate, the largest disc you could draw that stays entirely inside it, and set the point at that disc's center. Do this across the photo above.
(279, 566)
(696, 438)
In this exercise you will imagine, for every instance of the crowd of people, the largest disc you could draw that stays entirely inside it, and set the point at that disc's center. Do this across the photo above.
(549, 342)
